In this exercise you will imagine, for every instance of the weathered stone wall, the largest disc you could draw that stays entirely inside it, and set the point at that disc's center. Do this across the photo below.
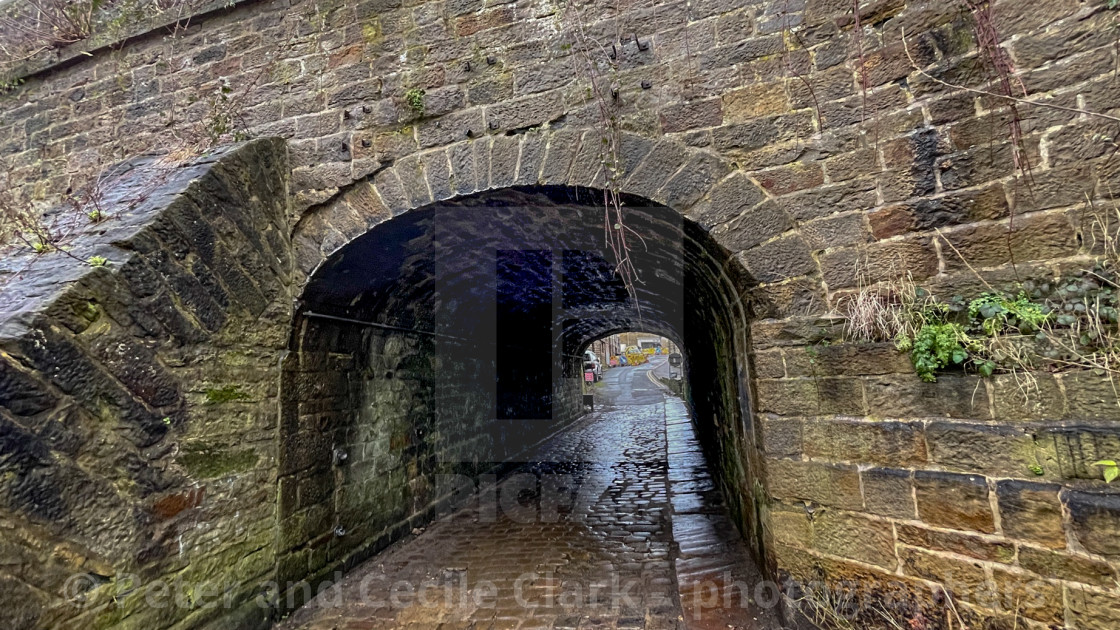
(381, 431)
(883, 479)
(716, 344)
(176, 451)
(364, 460)
(766, 138)
(138, 401)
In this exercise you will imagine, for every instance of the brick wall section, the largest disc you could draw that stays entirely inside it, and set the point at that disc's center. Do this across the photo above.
(876, 176)
(716, 341)
(959, 482)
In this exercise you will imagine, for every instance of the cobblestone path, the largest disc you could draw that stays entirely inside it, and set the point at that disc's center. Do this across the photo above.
(617, 524)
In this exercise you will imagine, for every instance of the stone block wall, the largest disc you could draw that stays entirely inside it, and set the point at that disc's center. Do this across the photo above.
(137, 402)
(879, 477)
(321, 392)
(567, 396)
(382, 431)
(716, 341)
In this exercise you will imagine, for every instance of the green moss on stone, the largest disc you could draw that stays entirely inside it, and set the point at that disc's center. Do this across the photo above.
(110, 617)
(87, 310)
(371, 32)
(225, 394)
(207, 461)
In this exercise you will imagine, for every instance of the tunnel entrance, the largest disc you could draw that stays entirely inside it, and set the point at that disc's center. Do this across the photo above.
(440, 347)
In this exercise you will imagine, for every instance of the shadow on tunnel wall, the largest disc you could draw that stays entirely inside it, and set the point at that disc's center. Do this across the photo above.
(440, 347)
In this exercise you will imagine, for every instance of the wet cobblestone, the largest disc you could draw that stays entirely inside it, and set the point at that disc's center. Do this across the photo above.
(616, 524)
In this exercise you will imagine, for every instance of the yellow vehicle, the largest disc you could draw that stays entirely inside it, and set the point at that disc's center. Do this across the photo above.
(636, 357)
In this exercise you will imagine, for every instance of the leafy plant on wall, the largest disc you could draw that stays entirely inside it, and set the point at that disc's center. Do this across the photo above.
(1111, 469)
(415, 100)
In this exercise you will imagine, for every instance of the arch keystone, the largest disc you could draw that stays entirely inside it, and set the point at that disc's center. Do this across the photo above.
(437, 171)
(562, 147)
(529, 161)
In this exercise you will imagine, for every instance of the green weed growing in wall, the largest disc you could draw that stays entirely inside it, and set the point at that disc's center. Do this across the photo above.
(415, 100)
(10, 85)
(936, 347)
(1111, 469)
(995, 312)
(1071, 322)
(220, 122)
(225, 113)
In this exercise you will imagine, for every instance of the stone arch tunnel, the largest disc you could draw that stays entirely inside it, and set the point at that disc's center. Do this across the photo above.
(230, 369)
(421, 357)
(447, 342)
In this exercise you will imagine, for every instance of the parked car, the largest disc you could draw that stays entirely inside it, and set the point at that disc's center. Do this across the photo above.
(592, 364)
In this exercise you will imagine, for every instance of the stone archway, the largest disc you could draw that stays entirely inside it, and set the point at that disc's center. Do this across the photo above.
(407, 328)
(209, 302)
(699, 185)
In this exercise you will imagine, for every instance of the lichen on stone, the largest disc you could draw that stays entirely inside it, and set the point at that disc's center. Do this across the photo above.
(209, 460)
(227, 393)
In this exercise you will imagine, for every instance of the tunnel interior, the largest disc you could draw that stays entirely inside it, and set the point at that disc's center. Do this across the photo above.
(445, 342)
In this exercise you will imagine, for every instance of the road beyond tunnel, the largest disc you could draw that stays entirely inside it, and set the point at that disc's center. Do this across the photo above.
(615, 522)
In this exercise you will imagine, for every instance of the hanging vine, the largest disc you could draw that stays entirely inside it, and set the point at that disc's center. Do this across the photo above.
(601, 69)
(999, 64)
(791, 38)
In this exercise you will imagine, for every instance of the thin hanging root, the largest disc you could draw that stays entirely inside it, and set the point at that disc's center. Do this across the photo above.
(791, 34)
(861, 72)
(615, 230)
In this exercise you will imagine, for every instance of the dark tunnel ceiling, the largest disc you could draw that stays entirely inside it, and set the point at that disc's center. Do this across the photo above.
(442, 268)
